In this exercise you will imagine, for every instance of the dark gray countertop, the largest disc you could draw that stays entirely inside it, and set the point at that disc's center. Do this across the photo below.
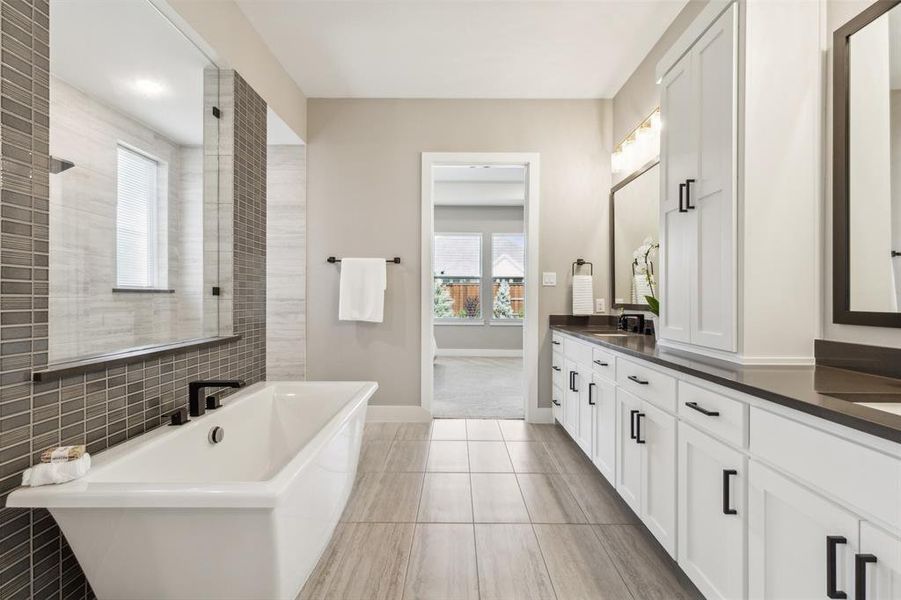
(820, 391)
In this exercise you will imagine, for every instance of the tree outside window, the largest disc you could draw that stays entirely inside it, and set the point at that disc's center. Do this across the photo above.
(457, 272)
(508, 276)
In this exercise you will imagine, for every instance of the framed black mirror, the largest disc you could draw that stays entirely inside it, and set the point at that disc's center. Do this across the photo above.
(634, 238)
(867, 168)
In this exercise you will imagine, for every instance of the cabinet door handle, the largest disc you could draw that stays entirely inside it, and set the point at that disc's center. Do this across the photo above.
(860, 575)
(601, 363)
(831, 586)
(571, 384)
(637, 380)
(632, 414)
(591, 387)
(682, 198)
(688, 183)
(555, 367)
(703, 411)
(727, 500)
(638, 439)
(575, 374)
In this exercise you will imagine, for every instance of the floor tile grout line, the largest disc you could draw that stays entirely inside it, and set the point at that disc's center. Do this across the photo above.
(415, 525)
(610, 558)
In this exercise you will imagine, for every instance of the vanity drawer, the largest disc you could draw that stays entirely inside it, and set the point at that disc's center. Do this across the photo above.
(557, 341)
(730, 421)
(557, 369)
(851, 474)
(646, 383)
(603, 363)
(577, 351)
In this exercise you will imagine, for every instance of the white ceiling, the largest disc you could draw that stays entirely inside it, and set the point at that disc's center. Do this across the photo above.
(460, 48)
(135, 43)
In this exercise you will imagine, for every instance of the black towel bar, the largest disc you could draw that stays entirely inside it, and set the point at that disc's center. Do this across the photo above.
(395, 260)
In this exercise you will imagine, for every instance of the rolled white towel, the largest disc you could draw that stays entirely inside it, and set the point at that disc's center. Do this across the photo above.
(58, 472)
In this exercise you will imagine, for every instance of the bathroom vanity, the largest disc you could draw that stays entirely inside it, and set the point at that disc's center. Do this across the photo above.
(761, 481)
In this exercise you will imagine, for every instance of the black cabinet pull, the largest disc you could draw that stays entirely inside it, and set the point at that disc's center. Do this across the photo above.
(555, 342)
(860, 574)
(727, 501)
(638, 417)
(574, 375)
(632, 414)
(688, 183)
(831, 586)
(637, 380)
(556, 368)
(603, 364)
(682, 198)
(703, 411)
(571, 384)
(555, 402)
(591, 387)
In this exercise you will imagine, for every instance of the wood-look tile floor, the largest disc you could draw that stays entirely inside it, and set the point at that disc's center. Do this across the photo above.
(460, 509)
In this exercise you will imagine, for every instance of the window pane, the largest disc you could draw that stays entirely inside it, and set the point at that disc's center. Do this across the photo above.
(458, 255)
(458, 298)
(136, 219)
(508, 270)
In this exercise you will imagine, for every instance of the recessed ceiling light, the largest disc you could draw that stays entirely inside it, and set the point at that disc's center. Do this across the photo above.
(148, 87)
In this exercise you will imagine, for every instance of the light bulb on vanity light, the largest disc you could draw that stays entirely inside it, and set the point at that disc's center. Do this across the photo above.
(616, 161)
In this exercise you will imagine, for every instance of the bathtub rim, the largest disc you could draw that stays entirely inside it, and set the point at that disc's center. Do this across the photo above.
(84, 493)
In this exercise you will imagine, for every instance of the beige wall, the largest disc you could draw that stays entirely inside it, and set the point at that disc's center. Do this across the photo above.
(639, 95)
(364, 200)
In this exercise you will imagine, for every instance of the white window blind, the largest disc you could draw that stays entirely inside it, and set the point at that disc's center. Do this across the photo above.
(508, 256)
(458, 255)
(136, 220)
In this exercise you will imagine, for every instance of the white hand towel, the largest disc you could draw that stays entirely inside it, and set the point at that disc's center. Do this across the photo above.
(362, 289)
(58, 472)
(583, 291)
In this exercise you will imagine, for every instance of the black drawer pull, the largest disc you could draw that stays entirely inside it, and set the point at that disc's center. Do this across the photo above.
(632, 414)
(703, 411)
(860, 575)
(555, 342)
(555, 402)
(637, 380)
(600, 363)
(682, 197)
(574, 375)
(727, 501)
(831, 586)
(591, 387)
(688, 183)
(638, 439)
(571, 384)
(556, 368)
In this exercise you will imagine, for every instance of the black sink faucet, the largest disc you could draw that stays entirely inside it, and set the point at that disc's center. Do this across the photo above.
(195, 406)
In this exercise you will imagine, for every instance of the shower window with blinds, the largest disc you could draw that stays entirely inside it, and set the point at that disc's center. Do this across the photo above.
(140, 222)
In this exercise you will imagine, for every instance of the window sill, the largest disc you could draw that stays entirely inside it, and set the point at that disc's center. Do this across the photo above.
(139, 290)
(89, 364)
(465, 323)
(506, 322)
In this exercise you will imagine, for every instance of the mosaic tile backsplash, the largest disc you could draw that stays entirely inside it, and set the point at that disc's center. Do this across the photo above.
(107, 407)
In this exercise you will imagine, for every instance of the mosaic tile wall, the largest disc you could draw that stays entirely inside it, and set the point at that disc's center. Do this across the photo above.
(107, 407)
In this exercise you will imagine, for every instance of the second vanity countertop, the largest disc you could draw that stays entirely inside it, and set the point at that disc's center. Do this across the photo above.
(824, 392)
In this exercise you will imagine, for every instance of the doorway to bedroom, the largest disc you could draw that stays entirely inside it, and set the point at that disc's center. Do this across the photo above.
(478, 281)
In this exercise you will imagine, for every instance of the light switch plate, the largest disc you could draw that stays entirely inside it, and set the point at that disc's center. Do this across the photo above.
(600, 305)
(549, 278)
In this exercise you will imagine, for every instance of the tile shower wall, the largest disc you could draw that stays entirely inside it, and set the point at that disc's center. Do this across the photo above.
(86, 317)
(106, 407)
(286, 263)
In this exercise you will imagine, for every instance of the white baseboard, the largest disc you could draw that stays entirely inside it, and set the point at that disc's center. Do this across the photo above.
(488, 353)
(381, 413)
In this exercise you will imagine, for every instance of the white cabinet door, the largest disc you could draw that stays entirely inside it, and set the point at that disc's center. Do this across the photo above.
(795, 538)
(571, 399)
(710, 191)
(712, 515)
(603, 435)
(628, 451)
(655, 434)
(677, 164)
(586, 409)
(882, 577)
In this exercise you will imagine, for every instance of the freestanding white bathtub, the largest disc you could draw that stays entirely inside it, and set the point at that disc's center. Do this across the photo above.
(172, 515)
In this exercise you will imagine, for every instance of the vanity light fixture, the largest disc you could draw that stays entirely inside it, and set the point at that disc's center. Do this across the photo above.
(640, 147)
